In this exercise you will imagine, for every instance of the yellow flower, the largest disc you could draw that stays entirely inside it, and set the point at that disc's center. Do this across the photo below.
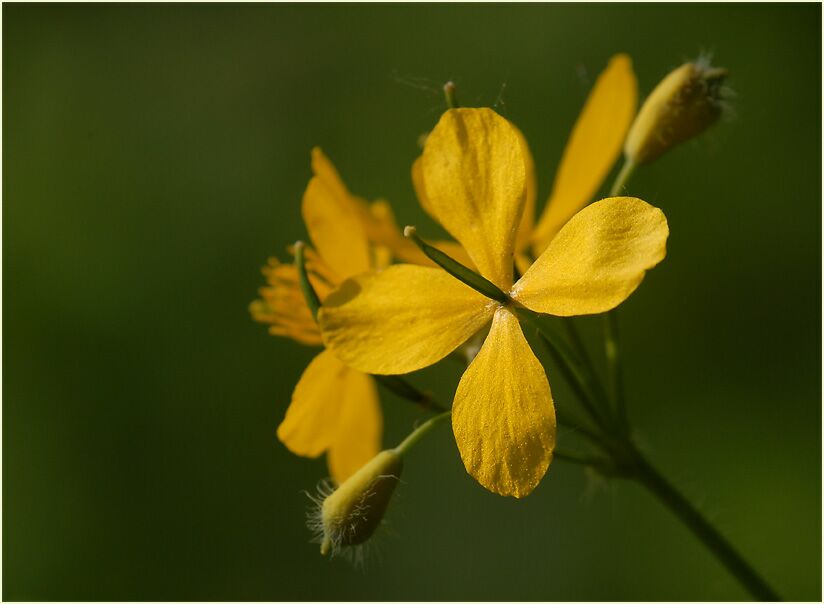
(334, 409)
(408, 317)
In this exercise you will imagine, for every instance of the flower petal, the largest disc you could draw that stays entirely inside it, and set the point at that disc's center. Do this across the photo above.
(360, 425)
(311, 421)
(524, 234)
(334, 221)
(503, 416)
(597, 260)
(400, 320)
(592, 148)
(382, 230)
(420, 187)
(474, 180)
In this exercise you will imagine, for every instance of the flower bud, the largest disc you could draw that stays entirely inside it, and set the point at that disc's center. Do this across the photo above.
(352, 512)
(686, 102)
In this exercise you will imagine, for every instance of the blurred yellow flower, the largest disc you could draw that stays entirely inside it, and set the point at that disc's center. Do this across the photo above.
(334, 409)
(473, 172)
(592, 149)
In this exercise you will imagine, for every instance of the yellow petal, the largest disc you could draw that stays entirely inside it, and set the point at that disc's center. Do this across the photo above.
(336, 228)
(420, 188)
(597, 260)
(592, 148)
(377, 220)
(400, 320)
(450, 248)
(524, 234)
(454, 251)
(311, 421)
(474, 175)
(360, 425)
(384, 231)
(503, 416)
(522, 262)
(325, 170)
(391, 242)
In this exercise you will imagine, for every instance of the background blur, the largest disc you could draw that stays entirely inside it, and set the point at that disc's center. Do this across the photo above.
(155, 155)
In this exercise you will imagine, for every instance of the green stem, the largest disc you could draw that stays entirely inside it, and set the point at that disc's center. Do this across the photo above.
(667, 494)
(623, 178)
(579, 458)
(626, 461)
(577, 426)
(576, 341)
(421, 431)
(614, 370)
(405, 390)
(567, 361)
(599, 394)
(615, 379)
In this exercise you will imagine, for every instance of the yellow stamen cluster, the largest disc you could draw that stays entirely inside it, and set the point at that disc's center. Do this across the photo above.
(281, 305)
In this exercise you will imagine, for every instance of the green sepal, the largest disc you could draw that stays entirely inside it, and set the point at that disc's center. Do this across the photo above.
(309, 293)
(458, 270)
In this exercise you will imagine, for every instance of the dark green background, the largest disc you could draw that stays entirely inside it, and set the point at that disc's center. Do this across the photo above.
(155, 155)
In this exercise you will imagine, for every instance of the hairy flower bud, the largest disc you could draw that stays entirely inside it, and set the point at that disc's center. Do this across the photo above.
(686, 102)
(351, 513)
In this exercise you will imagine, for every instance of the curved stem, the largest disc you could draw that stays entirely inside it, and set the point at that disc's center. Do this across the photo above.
(626, 461)
(419, 432)
(576, 425)
(667, 494)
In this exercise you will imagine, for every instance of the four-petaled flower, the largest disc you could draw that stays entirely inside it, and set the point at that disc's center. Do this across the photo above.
(408, 317)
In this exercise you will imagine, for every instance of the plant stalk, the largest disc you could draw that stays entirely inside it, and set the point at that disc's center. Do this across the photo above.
(421, 431)
(627, 462)
(679, 505)
(615, 378)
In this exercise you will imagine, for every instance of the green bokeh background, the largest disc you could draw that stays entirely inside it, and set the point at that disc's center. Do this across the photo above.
(155, 155)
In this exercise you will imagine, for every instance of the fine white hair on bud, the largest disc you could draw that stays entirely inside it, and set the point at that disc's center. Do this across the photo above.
(343, 519)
